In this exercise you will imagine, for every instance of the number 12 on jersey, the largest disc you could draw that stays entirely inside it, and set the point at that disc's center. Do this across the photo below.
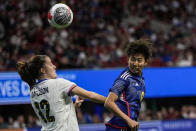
(44, 104)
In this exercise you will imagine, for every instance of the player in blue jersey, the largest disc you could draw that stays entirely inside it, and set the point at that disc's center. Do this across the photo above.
(128, 90)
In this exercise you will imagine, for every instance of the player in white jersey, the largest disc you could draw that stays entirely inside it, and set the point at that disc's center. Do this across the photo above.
(51, 96)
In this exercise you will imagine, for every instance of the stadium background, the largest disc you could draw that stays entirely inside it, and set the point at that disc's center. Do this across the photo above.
(94, 43)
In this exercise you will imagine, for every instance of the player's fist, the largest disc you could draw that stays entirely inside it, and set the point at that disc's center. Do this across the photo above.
(78, 101)
(134, 125)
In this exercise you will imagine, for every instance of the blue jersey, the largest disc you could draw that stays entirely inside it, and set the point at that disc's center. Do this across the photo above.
(130, 90)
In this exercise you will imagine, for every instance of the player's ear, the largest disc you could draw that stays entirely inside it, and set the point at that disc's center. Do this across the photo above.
(42, 70)
(146, 62)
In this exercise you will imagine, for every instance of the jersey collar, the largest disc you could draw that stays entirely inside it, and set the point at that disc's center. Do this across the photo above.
(39, 81)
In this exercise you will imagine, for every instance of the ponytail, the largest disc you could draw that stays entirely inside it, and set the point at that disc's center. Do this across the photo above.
(29, 71)
(25, 74)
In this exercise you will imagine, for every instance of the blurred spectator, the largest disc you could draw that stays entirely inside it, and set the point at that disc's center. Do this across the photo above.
(185, 112)
(159, 115)
(3, 124)
(10, 122)
(164, 113)
(31, 121)
(149, 115)
(192, 114)
(172, 113)
(88, 118)
(142, 116)
(20, 122)
(80, 116)
(96, 119)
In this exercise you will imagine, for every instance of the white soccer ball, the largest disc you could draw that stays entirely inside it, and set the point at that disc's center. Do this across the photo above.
(60, 16)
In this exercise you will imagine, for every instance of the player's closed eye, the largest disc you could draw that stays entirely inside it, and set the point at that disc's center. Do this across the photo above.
(133, 59)
(139, 61)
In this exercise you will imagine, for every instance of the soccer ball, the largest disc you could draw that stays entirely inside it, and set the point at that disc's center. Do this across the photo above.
(60, 16)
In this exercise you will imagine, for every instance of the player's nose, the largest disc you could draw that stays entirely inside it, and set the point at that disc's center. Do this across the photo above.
(136, 63)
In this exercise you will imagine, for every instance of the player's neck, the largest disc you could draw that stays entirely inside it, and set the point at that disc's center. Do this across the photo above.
(45, 77)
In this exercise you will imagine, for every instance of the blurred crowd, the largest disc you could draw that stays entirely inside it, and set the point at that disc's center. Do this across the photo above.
(99, 33)
(170, 113)
(21, 121)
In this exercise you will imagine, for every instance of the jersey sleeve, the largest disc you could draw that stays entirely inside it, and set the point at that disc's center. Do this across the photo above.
(118, 86)
(66, 86)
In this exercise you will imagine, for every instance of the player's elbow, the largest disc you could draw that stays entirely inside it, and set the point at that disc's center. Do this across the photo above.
(107, 103)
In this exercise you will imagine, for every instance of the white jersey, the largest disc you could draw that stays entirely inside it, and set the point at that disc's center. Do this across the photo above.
(53, 105)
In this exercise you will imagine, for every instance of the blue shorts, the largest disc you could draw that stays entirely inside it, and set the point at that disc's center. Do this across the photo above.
(109, 128)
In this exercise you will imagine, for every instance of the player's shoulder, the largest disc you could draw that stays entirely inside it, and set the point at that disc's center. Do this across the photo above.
(125, 75)
(57, 80)
(52, 80)
(62, 80)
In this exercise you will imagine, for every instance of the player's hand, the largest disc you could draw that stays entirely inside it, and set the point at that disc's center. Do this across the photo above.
(134, 125)
(78, 101)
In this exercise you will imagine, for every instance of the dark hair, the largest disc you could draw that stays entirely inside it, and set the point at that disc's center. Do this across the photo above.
(141, 46)
(29, 70)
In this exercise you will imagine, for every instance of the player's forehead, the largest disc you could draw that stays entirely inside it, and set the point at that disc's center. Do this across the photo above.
(47, 60)
(137, 56)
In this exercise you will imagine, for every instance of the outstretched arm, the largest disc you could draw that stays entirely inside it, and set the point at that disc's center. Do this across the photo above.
(111, 105)
(88, 95)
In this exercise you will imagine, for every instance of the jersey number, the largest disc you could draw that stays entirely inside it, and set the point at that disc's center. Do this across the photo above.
(44, 105)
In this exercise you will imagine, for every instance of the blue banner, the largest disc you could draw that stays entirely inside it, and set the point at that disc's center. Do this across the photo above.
(170, 82)
(179, 125)
(13, 90)
(160, 82)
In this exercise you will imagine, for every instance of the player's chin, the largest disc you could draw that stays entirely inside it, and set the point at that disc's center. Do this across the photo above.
(136, 71)
(133, 70)
(54, 76)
